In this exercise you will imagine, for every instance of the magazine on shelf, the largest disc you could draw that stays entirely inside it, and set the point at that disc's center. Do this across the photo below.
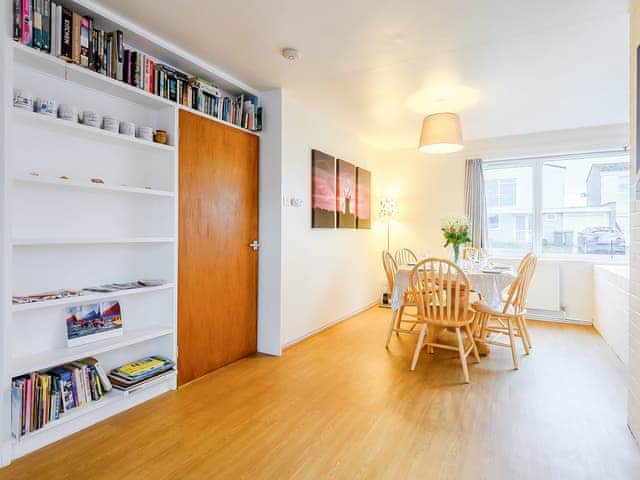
(134, 373)
(93, 322)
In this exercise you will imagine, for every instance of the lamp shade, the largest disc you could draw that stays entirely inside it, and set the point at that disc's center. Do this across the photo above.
(388, 208)
(441, 133)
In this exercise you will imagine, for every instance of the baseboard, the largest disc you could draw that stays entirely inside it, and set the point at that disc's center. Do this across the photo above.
(554, 316)
(5, 454)
(329, 325)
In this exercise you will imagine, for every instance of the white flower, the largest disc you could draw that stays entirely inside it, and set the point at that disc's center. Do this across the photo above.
(455, 223)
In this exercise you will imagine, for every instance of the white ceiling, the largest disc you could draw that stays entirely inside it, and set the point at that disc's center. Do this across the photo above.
(506, 66)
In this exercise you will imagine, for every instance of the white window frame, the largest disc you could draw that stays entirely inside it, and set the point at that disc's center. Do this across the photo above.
(537, 164)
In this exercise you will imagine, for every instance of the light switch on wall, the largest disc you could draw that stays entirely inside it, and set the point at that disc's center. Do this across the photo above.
(291, 201)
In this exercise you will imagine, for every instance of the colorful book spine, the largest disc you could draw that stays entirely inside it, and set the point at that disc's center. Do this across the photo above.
(84, 41)
(76, 27)
(37, 24)
(17, 20)
(27, 22)
(46, 25)
(119, 58)
(66, 45)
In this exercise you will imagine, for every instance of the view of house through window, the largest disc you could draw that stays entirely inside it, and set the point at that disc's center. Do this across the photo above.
(562, 206)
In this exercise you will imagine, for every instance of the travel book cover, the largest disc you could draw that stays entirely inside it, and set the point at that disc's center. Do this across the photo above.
(93, 322)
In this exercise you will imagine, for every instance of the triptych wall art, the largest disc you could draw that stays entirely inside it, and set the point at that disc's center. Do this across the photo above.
(340, 193)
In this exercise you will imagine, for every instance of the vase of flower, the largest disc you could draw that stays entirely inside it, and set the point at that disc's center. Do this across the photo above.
(455, 230)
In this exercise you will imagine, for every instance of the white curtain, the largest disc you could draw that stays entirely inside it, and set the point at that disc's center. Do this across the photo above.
(475, 202)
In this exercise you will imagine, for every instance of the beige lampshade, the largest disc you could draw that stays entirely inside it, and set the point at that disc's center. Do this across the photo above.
(441, 133)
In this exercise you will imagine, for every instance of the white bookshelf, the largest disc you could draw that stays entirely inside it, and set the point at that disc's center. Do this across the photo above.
(87, 185)
(75, 128)
(60, 229)
(89, 298)
(34, 242)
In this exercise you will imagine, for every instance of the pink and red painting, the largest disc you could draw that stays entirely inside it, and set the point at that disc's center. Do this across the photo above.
(323, 190)
(346, 194)
(363, 198)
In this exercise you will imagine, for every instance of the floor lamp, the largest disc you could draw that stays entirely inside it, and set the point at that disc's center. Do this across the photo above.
(388, 211)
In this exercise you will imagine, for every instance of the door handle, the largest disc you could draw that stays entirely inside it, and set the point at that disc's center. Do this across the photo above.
(255, 245)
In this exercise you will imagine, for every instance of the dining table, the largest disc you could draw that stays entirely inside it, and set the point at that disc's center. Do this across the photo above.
(486, 279)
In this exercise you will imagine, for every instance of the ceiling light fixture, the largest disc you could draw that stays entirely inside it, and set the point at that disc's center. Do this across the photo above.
(441, 133)
(290, 54)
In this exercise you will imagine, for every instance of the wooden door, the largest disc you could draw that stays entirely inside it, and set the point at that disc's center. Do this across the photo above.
(217, 268)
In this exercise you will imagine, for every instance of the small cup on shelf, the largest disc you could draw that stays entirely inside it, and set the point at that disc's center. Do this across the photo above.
(47, 107)
(145, 133)
(128, 128)
(68, 112)
(23, 99)
(110, 124)
(90, 118)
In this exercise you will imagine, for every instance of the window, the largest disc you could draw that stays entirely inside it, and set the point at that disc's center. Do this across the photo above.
(509, 205)
(501, 192)
(567, 205)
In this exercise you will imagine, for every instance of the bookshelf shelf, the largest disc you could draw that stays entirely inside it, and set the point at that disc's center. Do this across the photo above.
(107, 400)
(89, 298)
(111, 398)
(59, 356)
(210, 117)
(80, 129)
(34, 242)
(71, 184)
(59, 68)
(113, 402)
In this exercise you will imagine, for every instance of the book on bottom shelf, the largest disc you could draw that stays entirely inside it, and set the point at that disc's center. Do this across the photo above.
(40, 398)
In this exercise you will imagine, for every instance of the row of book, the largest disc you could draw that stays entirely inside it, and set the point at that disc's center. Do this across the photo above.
(53, 28)
(40, 398)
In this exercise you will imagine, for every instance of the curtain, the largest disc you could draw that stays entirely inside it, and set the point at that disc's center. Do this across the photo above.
(475, 202)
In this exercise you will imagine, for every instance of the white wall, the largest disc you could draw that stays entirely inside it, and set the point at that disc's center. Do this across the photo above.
(634, 279)
(327, 274)
(270, 226)
(611, 307)
(430, 186)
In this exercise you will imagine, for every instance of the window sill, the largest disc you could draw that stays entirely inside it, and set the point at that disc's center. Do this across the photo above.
(595, 259)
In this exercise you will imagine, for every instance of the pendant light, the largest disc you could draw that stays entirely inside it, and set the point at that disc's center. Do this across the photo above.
(441, 133)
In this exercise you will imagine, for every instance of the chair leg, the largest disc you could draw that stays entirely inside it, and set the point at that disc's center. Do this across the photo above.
(474, 347)
(463, 357)
(512, 342)
(525, 329)
(483, 327)
(419, 345)
(523, 336)
(399, 321)
(392, 324)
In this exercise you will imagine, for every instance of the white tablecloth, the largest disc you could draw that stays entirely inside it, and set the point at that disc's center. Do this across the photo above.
(490, 285)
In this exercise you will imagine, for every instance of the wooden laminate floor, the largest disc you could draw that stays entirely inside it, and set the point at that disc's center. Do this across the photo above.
(338, 405)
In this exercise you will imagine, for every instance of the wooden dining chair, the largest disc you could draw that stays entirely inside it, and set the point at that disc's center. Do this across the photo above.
(469, 252)
(442, 290)
(397, 319)
(405, 256)
(509, 320)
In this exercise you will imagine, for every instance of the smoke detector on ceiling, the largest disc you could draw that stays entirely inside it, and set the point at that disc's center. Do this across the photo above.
(290, 54)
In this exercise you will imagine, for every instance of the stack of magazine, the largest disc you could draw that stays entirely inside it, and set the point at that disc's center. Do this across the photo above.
(133, 374)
